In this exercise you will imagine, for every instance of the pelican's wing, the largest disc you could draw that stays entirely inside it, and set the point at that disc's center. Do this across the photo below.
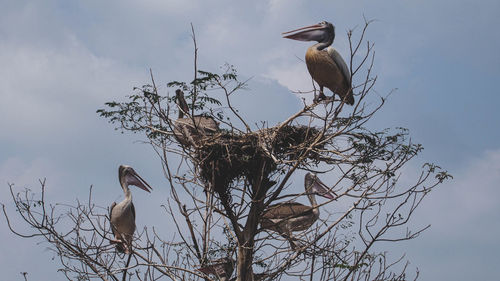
(110, 212)
(181, 102)
(286, 210)
(133, 209)
(337, 58)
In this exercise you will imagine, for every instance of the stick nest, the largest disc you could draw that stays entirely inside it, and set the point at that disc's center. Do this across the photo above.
(226, 156)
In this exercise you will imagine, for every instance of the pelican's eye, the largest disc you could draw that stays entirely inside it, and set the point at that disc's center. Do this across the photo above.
(323, 23)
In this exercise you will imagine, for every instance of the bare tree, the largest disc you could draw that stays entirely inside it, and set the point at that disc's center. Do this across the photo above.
(224, 181)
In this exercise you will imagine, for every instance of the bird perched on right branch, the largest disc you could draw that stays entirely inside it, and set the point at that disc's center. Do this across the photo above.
(324, 63)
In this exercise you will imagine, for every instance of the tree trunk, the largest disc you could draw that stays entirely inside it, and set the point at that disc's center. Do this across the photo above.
(260, 184)
(245, 261)
(246, 248)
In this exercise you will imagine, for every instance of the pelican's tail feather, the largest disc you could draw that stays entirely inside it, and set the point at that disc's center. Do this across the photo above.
(349, 99)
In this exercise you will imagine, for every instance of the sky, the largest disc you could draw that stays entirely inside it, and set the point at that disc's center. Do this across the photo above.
(61, 60)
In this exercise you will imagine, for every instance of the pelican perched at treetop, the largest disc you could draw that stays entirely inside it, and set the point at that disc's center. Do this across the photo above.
(289, 217)
(122, 215)
(324, 63)
(188, 130)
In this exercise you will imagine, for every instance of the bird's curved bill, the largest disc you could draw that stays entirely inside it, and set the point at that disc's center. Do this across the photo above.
(134, 179)
(307, 33)
(321, 189)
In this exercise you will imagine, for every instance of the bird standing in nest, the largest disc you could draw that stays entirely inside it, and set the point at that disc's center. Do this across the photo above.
(188, 130)
(122, 215)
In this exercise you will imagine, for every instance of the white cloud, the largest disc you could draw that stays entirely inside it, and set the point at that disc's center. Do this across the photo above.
(472, 194)
(465, 221)
(45, 91)
(294, 76)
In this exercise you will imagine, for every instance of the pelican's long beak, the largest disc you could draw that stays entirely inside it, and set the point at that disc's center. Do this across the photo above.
(318, 187)
(134, 179)
(314, 32)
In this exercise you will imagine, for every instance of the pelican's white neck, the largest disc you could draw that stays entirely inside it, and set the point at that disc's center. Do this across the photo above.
(312, 199)
(126, 190)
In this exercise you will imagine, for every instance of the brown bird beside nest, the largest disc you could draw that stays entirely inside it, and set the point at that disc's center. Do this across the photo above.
(189, 130)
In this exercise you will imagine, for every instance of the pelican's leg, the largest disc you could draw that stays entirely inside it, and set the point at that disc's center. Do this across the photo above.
(126, 248)
(321, 95)
(120, 245)
(292, 244)
(127, 243)
(288, 236)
